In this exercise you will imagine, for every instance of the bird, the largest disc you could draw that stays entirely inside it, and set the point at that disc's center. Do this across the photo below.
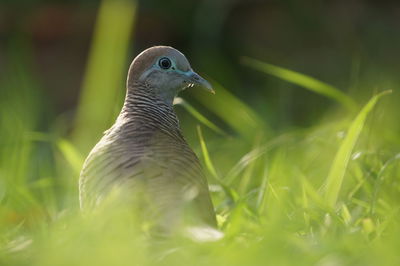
(144, 154)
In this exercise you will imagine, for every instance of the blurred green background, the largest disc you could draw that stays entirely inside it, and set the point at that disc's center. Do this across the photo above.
(302, 169)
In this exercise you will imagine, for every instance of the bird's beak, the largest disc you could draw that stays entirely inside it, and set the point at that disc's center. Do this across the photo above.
(197, 80)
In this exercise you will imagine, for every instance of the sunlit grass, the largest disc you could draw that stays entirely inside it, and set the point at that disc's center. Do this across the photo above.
(339, 166)
(328, 194)
(234, 112)
(302, 80)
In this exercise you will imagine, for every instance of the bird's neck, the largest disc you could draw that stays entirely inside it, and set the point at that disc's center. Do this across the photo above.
(143, 106)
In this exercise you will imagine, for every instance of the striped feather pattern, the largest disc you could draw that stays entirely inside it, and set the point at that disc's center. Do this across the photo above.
(145, 152)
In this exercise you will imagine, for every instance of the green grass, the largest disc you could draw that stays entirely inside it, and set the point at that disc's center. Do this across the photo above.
(328, 194)
(302, 80)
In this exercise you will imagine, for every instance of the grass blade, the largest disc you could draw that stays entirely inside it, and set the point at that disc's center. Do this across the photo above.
(342, 157)
(311, 192)
(207, 159)
(254, 154)
(196, 114)
(233, 111)
(71, 155)
(249, 172)
(105, 71)
(302, 80)
(263, 190)
(230, 192)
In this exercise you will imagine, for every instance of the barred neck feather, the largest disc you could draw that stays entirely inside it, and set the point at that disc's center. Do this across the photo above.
(143, 107)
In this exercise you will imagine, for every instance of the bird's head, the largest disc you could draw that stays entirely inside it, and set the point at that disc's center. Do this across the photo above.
(164, 70)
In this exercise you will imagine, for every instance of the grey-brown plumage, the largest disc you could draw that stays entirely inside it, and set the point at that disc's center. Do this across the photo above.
(144, 152)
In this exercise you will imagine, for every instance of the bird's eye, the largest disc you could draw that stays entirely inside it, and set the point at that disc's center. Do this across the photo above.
(164, 63)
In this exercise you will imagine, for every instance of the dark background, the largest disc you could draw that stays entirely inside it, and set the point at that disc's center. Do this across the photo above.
(353, 45)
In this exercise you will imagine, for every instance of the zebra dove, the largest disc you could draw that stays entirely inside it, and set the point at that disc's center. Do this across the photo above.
(145, 153)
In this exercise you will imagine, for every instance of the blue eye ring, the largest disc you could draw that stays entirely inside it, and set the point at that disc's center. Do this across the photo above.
(164, 63)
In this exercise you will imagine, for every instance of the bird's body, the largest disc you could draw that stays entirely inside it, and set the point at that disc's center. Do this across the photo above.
(144, 152)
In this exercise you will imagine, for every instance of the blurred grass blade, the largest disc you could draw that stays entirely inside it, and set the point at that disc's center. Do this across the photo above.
(345, 213)
(198, 116)
(263, 190)
(254, 154)
(233, 111)
(71, 155)
(206, 155)
(229, 191)
(342, 157)
(302, 80)
(245, 161)
(305, 206)
(249, 172)
(106, 69)
(311, 191)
